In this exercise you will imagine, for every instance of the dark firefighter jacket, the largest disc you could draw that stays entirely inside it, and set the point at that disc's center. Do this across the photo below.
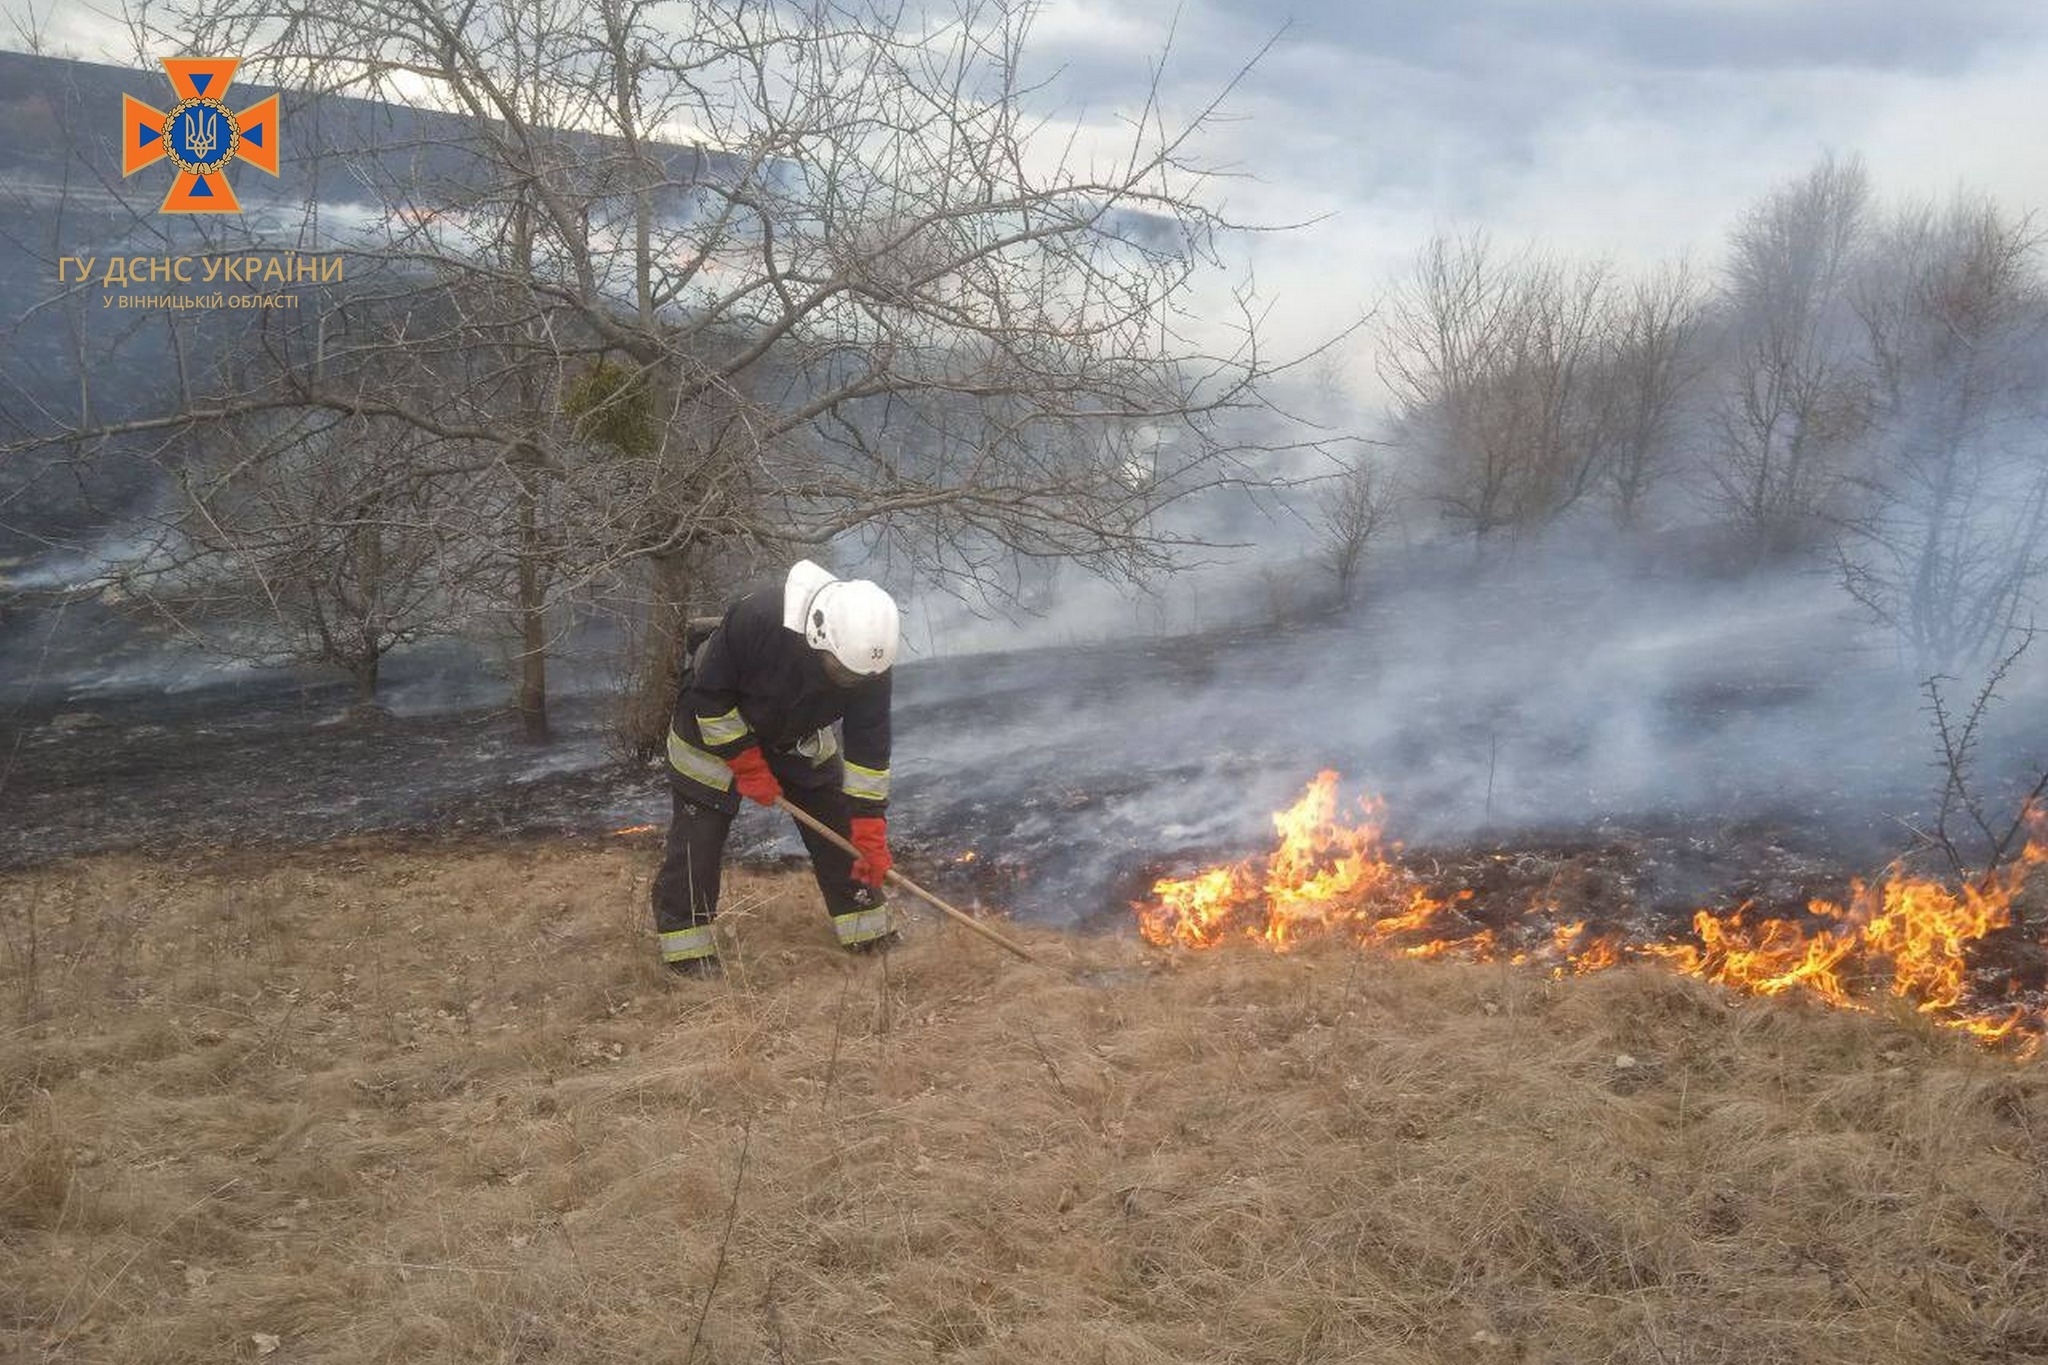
(757, 682)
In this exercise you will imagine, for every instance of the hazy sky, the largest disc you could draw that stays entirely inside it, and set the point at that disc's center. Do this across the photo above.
(1630, 128)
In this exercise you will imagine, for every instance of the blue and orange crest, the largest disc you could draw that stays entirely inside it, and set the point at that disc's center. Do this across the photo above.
(200, 136)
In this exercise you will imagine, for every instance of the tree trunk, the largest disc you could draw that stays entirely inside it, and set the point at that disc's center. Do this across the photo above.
(532, 609)
(366, 679)
(668, 609)
(660, 665)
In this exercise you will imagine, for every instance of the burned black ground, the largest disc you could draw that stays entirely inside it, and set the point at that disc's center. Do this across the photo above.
(1005, 799)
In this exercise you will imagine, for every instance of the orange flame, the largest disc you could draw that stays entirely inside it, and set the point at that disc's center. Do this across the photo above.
(633, 829)
(1324, 876)
(1908, 936)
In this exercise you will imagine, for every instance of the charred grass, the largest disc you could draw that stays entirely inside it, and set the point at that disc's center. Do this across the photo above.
(380, 1104)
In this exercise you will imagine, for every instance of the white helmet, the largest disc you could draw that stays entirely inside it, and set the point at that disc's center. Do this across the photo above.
(857, 622)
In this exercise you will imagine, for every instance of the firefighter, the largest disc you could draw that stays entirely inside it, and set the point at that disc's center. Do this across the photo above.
(789, 696)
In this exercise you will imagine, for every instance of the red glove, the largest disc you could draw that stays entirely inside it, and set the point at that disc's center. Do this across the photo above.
(750, 769)
(871, 837)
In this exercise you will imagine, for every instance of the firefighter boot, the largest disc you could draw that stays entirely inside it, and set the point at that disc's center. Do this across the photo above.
(869, 925)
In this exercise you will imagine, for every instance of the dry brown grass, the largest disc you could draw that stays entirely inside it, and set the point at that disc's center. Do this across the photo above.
(389, 1105)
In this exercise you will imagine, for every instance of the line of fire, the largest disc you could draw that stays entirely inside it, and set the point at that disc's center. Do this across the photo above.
(1942, 950)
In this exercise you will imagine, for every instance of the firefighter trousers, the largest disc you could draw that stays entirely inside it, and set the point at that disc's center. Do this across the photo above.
(686, 886)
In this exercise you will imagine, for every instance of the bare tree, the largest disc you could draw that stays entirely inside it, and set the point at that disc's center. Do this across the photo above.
(1650, 359)
(1560, 328)
(832, 250)
(1792, 404)
(1950, 535)
(1351, 511)
(1489, 361)
(1446, 335)
(308, 538)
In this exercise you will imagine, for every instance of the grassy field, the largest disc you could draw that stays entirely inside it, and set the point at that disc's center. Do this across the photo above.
(376, 1104)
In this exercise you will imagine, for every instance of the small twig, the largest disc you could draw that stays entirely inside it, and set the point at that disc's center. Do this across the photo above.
(1046, 1060)
(1958, 748)
(1978, 708)
(732, 1213)
(884, 1016)
(1954, 761)
(1492, 761)
(838, 1032)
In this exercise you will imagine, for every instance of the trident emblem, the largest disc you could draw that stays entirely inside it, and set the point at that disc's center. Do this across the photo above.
(202, 133)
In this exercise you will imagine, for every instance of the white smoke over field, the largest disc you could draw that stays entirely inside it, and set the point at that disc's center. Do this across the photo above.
(1551, 696)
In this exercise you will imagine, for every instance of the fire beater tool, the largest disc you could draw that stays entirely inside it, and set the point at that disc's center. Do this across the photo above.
(809, 821)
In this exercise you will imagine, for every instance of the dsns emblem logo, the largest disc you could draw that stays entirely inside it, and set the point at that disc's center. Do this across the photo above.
(200, 136)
